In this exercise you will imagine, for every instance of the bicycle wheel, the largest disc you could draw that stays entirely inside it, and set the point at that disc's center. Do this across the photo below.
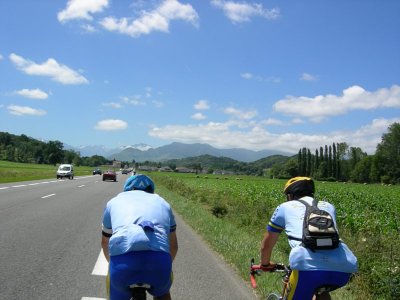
(273, 296)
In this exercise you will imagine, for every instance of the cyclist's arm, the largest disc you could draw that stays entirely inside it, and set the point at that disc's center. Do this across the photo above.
(104, 244)
(173, 244)
(267, 244)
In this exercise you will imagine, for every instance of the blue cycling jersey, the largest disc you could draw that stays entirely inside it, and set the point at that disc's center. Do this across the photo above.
(289, 217)
(138, 221)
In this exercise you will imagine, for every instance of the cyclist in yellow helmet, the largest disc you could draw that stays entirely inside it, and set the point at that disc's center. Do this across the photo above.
(314, 272)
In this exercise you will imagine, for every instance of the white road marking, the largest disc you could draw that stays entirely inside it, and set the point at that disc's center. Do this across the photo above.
(101, 266)
(3, 188)
(92, 298)
(47, 196)
(17, 186)
(79, 186)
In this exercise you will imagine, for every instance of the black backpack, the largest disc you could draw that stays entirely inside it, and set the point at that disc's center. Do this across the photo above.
(319, 231)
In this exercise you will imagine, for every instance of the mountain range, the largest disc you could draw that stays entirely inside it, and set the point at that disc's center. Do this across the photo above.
(143, 152)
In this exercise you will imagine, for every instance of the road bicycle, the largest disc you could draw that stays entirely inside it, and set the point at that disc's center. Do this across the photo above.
(256, 270)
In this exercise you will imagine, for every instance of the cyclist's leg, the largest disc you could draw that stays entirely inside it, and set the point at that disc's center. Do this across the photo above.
(303, 284)
(159, 274)
(300, 286)
(150, 267)
(117, 288)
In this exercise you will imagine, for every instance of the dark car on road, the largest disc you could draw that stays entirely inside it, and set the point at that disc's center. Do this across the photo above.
(125, 171)
(110, 175)
(97, 171)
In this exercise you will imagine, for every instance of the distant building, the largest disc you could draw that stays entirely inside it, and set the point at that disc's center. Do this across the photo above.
(184, 170)
(116, 164)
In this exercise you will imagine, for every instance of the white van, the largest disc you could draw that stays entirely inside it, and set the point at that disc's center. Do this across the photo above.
(65, 170)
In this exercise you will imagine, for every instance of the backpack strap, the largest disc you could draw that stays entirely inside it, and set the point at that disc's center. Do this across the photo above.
(305, 213)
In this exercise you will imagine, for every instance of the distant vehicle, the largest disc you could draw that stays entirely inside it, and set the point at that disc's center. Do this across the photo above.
(109, 175)
(97, 171)
(65, 170)
(125, 171)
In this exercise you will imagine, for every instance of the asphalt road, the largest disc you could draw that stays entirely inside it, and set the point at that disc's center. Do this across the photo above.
(50, 245)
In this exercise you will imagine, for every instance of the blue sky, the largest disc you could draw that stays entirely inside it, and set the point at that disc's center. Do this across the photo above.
(278, 75)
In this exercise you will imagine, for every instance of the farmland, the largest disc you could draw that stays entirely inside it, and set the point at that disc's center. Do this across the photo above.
(368, 218)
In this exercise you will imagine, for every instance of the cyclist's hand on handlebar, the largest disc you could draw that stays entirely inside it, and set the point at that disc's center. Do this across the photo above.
(268, 267)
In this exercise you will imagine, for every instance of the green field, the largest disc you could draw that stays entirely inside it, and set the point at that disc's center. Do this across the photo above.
(368, 218)
(231, 213)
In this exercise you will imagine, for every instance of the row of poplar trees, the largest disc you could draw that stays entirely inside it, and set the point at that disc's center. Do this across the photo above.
(325, 163)
(341, 162)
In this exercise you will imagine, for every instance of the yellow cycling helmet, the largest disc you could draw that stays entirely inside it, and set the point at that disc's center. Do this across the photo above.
(297, 185)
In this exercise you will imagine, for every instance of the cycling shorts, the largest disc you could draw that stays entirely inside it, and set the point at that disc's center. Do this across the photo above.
(148, 267)
(303, 284)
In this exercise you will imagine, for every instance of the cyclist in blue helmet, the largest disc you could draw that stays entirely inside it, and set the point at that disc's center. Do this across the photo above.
(139, 240)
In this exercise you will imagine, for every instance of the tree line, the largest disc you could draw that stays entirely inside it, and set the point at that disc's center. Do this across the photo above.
(336, 162)
(339, 162)
(25, 149)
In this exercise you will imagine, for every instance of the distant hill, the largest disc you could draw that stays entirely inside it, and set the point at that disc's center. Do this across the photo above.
(227, 164)
(103, 151)
(180, 150)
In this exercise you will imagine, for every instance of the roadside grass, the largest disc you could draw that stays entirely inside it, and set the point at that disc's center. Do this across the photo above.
(12, 172)
(236, 244)
(367, 215)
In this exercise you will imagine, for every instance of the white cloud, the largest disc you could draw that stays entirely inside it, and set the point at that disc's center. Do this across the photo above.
(78, 9)
(353, 98)
(201, 105)
(272, 121)
(156, 20)
(308, 77)
(198, 116)
(51, 68)
(225, 135)
(136, 101)
(239, 12)
(250, 76)
(34, 94)
(241, 114)
(1, 57)
(24, 111)
(111, 125)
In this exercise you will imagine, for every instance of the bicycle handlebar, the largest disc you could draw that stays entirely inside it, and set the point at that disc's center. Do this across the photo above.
(256, 270)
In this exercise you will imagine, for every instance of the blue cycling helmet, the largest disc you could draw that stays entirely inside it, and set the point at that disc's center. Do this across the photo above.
(139, 182)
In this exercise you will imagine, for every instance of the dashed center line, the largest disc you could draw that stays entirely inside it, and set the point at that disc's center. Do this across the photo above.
(101, 266)
(47, 196)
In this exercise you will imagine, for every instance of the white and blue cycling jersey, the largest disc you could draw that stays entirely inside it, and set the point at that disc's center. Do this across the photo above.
(138, 221)
(289, 217)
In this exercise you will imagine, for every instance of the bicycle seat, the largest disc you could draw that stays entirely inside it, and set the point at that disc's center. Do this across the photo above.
(325, 288)
(140, 285)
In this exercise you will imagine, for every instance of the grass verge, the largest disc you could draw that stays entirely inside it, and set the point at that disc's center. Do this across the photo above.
(235, 244)
(13, 172)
